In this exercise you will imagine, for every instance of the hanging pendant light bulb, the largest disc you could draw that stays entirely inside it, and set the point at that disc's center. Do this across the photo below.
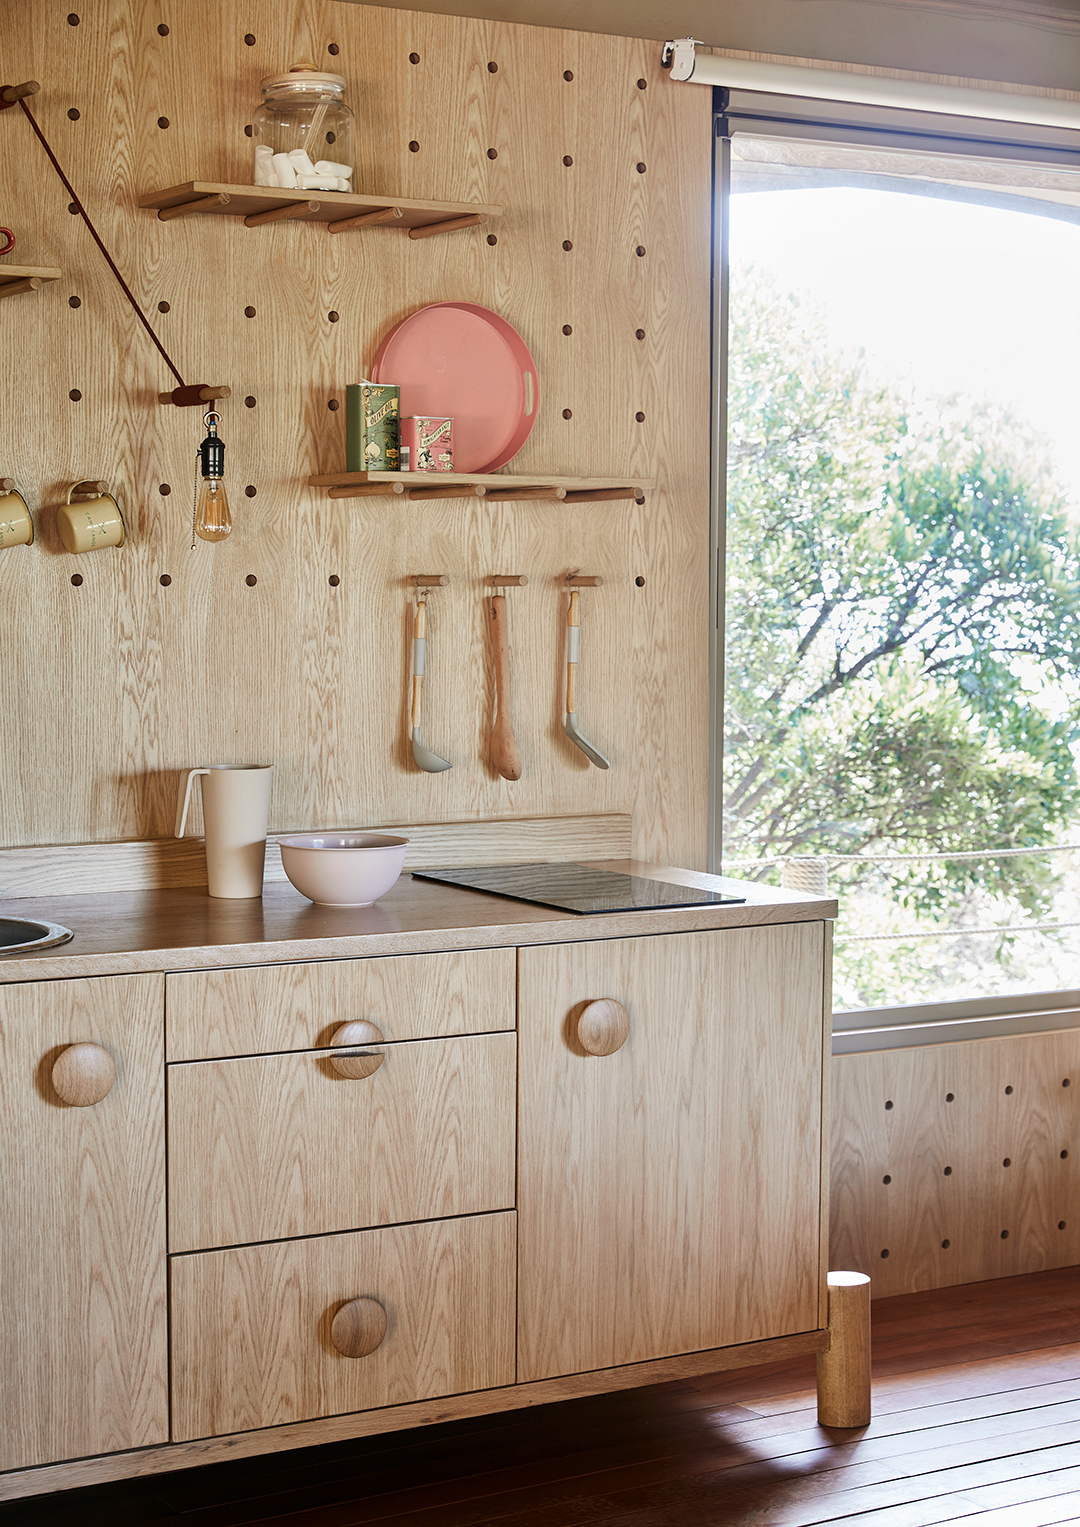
(213, 522)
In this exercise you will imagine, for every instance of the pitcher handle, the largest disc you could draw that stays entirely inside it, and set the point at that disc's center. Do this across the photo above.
(182, 801)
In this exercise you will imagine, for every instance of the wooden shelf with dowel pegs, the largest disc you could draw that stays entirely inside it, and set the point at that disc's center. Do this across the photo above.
(25, 278)
(341, 211)
(494, 487)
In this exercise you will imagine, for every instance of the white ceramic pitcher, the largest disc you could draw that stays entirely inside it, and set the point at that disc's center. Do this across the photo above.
(236, 806)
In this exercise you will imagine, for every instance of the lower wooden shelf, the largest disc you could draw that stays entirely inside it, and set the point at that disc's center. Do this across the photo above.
(497, 487)
(340, 210)
(25, 278)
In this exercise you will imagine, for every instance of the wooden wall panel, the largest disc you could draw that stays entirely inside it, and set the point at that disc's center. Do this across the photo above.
(117, 685)
(957, 1162)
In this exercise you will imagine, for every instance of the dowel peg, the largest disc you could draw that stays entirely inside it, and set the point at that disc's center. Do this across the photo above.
(585, 580)
(358, 1327)
(509, 495)
(280, 214)
(366, 219)
(843, 1369)
(430, 580)
(367, 490)
(603, 1026)
(12, 93)
(450, 490)
(509, 580)
(83, 1074)
(6, 484)
(199, 204)
(28, 284)
(601, 495)
(356, 1066)
(194, 393)
(471, 220)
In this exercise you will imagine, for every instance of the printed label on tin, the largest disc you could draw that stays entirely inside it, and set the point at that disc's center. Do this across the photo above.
(382, 426)
(430, 441)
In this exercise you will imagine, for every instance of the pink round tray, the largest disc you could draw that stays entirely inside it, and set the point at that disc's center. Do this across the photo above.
(462, 360)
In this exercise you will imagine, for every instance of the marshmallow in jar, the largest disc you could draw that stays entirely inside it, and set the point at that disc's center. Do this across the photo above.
(302, 132)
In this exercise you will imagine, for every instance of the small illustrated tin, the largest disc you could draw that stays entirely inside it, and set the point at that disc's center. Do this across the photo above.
(430, 442)
(372, 427)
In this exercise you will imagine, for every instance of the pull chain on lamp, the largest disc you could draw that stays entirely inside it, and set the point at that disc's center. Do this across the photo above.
(212, 521)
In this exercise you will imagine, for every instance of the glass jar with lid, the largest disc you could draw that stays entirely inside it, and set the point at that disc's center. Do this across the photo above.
(302, 132)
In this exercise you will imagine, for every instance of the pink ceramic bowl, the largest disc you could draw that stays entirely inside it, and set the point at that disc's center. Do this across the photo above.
(342, 869)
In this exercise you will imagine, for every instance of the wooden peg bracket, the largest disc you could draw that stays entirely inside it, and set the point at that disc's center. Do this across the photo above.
(449, 490)
(6, 484)
(585, 581)
(510, 495)
(368, 490)
(471, 220)
(281, 214)
(199, 204)
(509, 580)
(10, 94)
(194, 394)
(366, 220)
(601, 495)
(430, 580)
(29, 284)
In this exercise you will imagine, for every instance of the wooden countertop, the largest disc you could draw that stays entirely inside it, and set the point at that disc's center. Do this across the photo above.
(185, 929)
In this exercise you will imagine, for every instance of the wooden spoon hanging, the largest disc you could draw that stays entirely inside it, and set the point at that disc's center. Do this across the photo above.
(504, 749)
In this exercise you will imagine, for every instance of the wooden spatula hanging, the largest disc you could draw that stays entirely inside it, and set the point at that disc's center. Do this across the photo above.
(505, 754)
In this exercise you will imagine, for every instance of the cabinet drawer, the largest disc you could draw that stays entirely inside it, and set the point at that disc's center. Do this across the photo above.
(253, 1327)
(280, 1145)
(252, 1011)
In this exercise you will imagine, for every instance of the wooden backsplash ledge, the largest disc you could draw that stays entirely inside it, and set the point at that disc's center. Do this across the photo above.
(290, 641)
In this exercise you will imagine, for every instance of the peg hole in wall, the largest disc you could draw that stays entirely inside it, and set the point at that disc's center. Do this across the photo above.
(945, 1245)
(568, 74)
(493, 153)
(251, 580)
(1065, 1082)
(568, 413)
(947, 1171)
(568, 328)
(1064, 1155)
(333, 580)
(249, 131)
(333, 49)
(414, 58)
(414, 147)
(1061, 1224)
(250, 491)
(639, 500)
(568, 160)
(333, 316)
(165, 580)
(75, 395)
(1004, 1235)
(885, 1253)
(163, 30)
(73, 21)
(74, 113)
(74, 302)
(250, 402)
(639, 333)
(331, 137)
(492, 239)
(249, 38)
(76, 580)
(163, 122)
(1008, 1092)
(640, 417)
(949, 1097)
(333, 405)
(640, 250)
(886, 1179)
(889, 1103)
(640, 581)
(73, 209)
(164, 307)
(164, 489)
(641, 168)
(249, 311)
(643, 84)
(567, 245)
(1007, 1161)
(493, 67)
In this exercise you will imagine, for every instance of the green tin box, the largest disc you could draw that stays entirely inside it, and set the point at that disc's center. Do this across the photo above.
(372, 427)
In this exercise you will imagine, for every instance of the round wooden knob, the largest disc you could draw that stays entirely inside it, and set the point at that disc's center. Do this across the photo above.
(83, 1074)
(358, 1327)
(360, 1032)
(603, 1027)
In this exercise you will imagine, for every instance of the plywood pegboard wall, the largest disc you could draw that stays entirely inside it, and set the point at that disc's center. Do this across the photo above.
(956, 1162)
(249, 653)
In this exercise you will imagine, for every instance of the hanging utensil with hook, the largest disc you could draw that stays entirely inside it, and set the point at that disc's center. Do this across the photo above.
(505, 754)
(573, 650)
(425, 759)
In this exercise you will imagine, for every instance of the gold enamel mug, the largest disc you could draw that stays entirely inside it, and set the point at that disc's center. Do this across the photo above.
(16, 526)
(92, 523)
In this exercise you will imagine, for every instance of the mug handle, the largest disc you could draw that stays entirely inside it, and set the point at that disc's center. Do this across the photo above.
(10, 245)
(183, 799)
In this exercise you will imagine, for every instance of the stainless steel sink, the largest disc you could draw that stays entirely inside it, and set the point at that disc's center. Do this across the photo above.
(19, 933)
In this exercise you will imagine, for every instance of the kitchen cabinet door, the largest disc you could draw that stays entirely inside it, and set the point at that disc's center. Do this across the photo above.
(83, 1354)
(669, 1193)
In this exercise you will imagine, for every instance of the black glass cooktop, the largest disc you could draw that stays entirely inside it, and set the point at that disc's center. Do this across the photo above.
(575, 887)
